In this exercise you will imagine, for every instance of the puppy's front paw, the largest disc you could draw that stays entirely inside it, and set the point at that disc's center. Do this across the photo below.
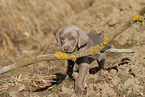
(79, 91)
(100, 72)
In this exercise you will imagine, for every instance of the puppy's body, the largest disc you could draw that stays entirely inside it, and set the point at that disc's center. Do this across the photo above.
(71, 38)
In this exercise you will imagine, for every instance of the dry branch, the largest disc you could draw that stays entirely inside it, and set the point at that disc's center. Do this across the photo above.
(124, 27)
(93, 50)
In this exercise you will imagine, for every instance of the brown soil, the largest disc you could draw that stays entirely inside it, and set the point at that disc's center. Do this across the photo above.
(28, 28)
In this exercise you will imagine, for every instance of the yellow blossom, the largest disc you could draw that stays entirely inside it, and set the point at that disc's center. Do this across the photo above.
(106, 39)
(73, 58)
(26, 58)
(136, 17)
(94, 47)
(101, 44)
(101, 47)
(65, 56)
(104, 43)
(60, 56)
(92, 53)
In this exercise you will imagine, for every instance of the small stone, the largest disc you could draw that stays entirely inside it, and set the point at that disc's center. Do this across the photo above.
(66, 90)
(21, 88)
(13, 94)
(116, 80)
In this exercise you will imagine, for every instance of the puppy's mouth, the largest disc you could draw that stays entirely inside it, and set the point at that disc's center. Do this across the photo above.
(69, 51)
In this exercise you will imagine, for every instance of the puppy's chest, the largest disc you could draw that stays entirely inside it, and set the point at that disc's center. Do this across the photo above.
(90, 44)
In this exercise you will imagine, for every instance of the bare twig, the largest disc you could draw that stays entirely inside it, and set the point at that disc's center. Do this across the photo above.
(49, 57)
(60, 56)
(113, 50)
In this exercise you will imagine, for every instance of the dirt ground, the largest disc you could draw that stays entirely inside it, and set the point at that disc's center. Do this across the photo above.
(28, 28)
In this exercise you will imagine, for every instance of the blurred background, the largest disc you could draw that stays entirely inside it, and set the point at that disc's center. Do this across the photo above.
(28, 27)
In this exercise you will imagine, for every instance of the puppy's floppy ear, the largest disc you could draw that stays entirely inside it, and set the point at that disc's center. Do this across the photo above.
(83, 38)
(58, 36)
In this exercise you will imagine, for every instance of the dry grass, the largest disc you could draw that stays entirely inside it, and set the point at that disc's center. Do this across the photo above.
(33, 82)
(42, 75)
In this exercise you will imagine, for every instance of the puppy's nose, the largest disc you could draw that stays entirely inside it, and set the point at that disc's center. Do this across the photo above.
(65, 48)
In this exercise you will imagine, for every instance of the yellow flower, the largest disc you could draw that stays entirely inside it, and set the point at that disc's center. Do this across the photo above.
(106, 39)
(92, 53)
(60, 56)
(94, 47)
(136, 17)
(104, 43)
(101, 47)
(73, 58)
(65, 56)
(57, 53)
(26, 58)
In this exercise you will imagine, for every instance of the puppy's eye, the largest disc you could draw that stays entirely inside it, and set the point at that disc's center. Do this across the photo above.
(73, 39)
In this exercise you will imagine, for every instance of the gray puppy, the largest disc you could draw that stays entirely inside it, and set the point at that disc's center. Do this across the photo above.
(72, 39)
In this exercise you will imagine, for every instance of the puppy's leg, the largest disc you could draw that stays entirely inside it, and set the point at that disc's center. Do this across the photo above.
(101, 62)
(83, 68)
(70, 68)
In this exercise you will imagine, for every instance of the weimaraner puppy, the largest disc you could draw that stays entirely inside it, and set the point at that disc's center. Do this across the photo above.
(72, 39)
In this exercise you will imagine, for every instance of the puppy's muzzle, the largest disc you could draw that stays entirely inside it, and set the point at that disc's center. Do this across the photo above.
(68, 49)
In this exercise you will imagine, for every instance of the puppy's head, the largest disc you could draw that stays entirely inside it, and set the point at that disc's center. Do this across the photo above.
(70, 37)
